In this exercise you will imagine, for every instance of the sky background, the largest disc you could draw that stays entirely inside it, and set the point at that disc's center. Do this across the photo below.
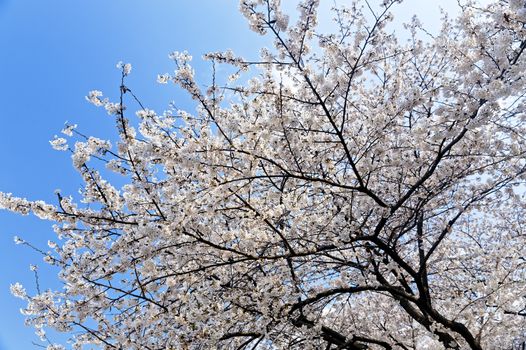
(52, 52)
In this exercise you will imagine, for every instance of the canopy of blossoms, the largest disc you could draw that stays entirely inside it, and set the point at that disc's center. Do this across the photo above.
(351, 191)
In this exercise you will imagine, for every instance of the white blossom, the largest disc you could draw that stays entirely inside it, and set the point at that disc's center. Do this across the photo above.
(55, 347)
(114, 108)
(163, 78)
(18, 291)
(59, 143)
(68, 129)
(94, 97)
(124, 67)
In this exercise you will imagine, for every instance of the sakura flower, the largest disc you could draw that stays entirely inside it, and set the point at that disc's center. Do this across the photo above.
(59, 143)
(163, 78)
(94, 97)
(68, 129)
(18, 291)
(124, 67)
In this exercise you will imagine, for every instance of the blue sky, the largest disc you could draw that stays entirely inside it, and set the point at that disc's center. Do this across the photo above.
(52, 53)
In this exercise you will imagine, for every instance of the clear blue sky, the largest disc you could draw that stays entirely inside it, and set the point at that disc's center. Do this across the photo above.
(52, 52)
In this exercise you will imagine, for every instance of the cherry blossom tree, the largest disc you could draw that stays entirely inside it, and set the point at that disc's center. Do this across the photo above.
(353, 190)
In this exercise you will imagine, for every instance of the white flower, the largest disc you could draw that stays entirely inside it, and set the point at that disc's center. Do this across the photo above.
(282, 21)
(68, 129)
(163, 78)
(41, 334)
(145, 113)
(81, 155)
(114, 108)
(233, 77)
(55, 347)
(59, 143)
(125, 67)
(18, 290)
(49, 259)
(94, 98)
(180, 57)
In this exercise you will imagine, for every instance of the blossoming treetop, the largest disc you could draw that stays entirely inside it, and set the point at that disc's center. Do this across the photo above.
(357, 192)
